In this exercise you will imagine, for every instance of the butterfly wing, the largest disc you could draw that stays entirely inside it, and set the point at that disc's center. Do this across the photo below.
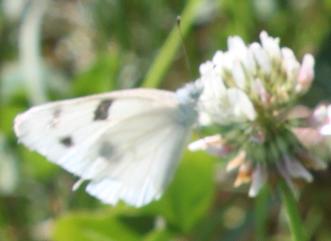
(126, 142)
(144, 152)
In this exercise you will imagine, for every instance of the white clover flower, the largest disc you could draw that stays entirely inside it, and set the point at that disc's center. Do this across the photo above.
(212, 144)
(252, 90)
(257, 72)
(306, 73)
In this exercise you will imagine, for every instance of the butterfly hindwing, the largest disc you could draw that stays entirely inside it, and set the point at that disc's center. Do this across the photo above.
(145, 152)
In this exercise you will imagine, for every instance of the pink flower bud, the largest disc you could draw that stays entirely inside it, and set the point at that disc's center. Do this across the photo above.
(306, 73)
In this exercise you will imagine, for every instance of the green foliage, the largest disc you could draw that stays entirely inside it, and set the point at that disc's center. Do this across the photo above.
(103, 73)
(181, 208)
(183, 205)
(36, 165)
(8, 114)
(94, 226)
(98, 46)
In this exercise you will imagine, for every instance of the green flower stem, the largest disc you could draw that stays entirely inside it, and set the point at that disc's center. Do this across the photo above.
(261, 212)
(170, 47)
(293, 216)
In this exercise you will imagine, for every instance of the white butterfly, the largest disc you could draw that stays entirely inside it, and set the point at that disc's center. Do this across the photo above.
(125, 143)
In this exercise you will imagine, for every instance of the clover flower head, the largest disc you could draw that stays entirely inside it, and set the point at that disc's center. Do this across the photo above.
(249, 93)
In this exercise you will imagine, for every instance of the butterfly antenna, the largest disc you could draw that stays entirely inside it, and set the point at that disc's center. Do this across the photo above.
(187, 60)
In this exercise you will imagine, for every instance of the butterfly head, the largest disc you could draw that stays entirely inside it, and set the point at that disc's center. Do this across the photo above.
(188, 97)
(189, 94)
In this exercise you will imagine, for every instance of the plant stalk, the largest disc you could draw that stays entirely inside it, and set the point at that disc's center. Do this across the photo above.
(292, 211)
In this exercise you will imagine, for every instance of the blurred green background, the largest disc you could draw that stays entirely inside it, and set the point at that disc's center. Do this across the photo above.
(51, 50)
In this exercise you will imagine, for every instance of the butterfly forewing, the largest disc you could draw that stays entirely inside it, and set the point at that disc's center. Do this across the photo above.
(54, 129)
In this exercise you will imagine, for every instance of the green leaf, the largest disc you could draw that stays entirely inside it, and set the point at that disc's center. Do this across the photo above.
(190, 194)
(101, 226)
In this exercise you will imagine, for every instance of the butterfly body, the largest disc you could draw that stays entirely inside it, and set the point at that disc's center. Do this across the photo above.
(126, 144)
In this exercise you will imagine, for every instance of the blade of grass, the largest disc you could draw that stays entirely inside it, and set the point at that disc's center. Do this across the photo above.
(167, 53)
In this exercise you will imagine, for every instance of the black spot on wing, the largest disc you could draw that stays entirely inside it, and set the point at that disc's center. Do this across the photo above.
(106, 150)
(67, 141)
(101, 112)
